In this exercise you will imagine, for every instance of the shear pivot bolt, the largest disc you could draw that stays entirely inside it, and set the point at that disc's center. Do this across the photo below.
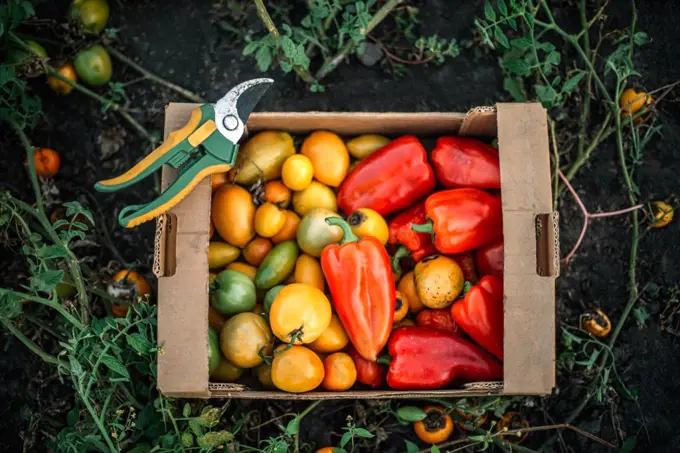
(230, 122)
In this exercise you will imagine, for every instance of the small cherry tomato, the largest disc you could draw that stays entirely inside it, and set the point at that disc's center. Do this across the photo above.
(632, 102)
(220, 254)
(243, 337)
(437, 427)
(256, 250)
(243, 268)
(299, 314)
(269, 219)
(289, 229)
(316, 195)
(296, 369)
(308, 270)
(510, 422)
(127, 285)
(297, 172)
(340, 372)
(439, 281)
(277, 193)
(328, 155)
(407, 287)
(332, 339)
(59, 86)
(401, 307)
(218, 180)
(47, 162)
(93, 65)
(596, 323)
(366, 222)
(663, 214)
(364, 145)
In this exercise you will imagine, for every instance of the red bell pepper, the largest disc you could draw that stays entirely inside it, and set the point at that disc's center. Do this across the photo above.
(389, 180)
(418, 244)
(489, 260)
(360, 279)
(466, 162)
(438, 318)
(480, 314)
(368, 372)
(424, 358)
(462, 219)
(466, 261)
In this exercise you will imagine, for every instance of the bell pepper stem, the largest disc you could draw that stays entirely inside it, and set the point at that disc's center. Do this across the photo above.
(402, 252)
(348, 234)
(424, 228)
(384, 359)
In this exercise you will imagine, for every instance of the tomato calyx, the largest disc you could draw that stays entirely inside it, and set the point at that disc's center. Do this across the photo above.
(434, 421)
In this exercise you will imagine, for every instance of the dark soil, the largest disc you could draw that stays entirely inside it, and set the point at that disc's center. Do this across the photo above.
(177, 40)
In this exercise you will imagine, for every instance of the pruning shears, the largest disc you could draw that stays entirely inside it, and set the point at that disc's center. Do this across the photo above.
(207, 144)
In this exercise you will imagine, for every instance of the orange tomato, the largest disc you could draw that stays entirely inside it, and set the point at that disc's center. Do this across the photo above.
(340, 372)
(142, 288)
(308, 270)
(218, 180)
(269, 220)
(437, 427)
(631, 102)
(256, 250)
(296, 369)
(289, 229)
(332, 339)
(243, 268)
(47, 162)
(401, 307)
(233, 213)
(327, 450)
(59, 86)
(329, 157)
(407, 287)
(663, 214)
(277, 193)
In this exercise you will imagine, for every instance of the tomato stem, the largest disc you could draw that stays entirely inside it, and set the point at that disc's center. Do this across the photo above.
(348, 234)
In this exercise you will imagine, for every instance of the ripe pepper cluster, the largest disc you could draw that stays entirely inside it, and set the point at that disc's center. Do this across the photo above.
(405, 290)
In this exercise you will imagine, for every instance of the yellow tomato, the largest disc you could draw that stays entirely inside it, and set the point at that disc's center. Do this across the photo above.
(329, 157)
(315, 196)
(289, 229)
(299, 314)
(439, 281)
(59, 86)
(401, 307)
(663, 214)
(269, 219)
(297, 173)
(407, 287)
(220, 254)
(308, 270)
(364, 145)
(296, 369)
(632, 102)
(256, 250)
(243, 268)
(242, 338)
(333, 339)
(262, 157)
(366, 222)
(226, 371)
(233, 212)
(340, 373)
(264, 375)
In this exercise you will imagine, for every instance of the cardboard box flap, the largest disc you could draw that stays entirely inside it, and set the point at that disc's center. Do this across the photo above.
(529, 365)
(479, 122)
(183, 313)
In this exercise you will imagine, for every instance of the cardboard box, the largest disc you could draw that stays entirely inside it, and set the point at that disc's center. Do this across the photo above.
(531, 251)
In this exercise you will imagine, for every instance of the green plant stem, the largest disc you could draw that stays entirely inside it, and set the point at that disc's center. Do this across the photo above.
(271, 28)
(71, 259)
(332, 63)
(556, 156)
(302, 415)
(30, 317)
(585, 110)
(49, 358)
(52, 304)
(100, 425)
(190, 95)
(108, 103)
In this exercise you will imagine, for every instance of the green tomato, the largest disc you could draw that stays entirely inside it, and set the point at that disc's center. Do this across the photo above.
(93, 65)
(277, 265)
(314, 234)
(270, 296)
(93, 15)
(214, 355)
(16, 55)
(233, 292)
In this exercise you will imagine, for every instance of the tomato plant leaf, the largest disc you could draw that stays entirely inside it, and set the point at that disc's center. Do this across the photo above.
(572, 82)
(411, 447)
(293, 426)
(435, 449)
(361, 432)
(345, 439)
(500, 37)
(114, 365)
(489, 13)
(140, 344)
(519, 67)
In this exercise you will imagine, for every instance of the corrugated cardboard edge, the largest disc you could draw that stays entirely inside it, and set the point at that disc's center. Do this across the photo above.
(529, 366)
(183, 297)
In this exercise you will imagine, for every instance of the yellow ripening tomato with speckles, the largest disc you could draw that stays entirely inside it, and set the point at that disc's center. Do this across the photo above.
(439, 281)
(328, 155)
(299, 314)
(296, 369)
